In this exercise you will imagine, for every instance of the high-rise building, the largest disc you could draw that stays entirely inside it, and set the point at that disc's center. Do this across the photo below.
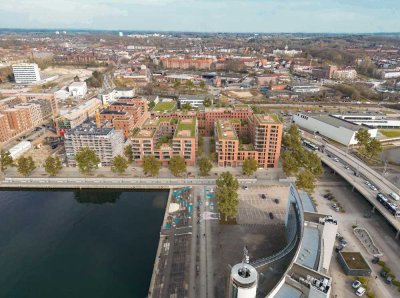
(34, 112)
(19, 119)
(243, 281)
(5, 130)
(26, 73)
(266, 136)
(259, 138)
(106, 142)
(165, 138)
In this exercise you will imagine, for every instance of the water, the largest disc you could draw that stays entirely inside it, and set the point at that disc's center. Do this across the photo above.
(78, 243)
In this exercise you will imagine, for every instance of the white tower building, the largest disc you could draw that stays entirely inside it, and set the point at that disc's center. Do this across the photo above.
(26, 73)
(243, 279)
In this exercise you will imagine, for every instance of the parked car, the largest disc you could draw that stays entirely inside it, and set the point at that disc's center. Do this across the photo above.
(343, 242)
(339, 248)
(276, 201)
(388, 280)
(360, 291)
(245, 187)
(375, 260)
(263, 196)
(271, 215)
(356, 284)
(383, 273)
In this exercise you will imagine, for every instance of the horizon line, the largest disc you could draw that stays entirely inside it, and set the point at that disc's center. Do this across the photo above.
(204, 32)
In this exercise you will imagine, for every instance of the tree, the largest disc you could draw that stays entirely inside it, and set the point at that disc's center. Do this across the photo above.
(87, 160)
(128, 153)
(207, 102)
(186, 107)
(76, 79)
(306, 181)
(5, 160)
(312, 162)
(177, 165)
(226, 194)
(205, 166)
(362, 137)
(250, 166)
(152, 104)
(119, 164)
(373, 148)
(25, 165)
(290, 164)
(189, 84)
(202, 84)
(292, 138)
(177, 84)
(52, 165)
(151, 165)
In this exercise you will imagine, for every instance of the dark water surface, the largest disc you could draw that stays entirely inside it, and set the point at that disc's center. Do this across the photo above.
(95, 243)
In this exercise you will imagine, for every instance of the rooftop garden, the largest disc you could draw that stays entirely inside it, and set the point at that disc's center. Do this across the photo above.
(186, 125)
(165, 106)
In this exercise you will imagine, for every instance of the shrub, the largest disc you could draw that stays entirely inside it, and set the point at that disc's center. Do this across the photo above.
(392, 276)
(363, 280)
(396, 283)
(354, 226)
(386, 269)
(371, 294)
(382, 263)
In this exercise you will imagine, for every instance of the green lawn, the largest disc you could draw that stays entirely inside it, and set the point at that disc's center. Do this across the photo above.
(390, 133)
(165, 106)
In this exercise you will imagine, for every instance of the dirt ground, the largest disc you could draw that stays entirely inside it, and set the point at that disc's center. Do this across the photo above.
(383, 235)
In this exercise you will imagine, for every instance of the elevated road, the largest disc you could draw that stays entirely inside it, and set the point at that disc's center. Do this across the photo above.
(356, 172)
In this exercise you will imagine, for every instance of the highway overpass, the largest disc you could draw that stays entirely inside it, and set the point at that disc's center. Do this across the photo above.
(347, 166)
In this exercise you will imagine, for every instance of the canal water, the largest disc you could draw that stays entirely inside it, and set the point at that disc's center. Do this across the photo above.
(94, 243)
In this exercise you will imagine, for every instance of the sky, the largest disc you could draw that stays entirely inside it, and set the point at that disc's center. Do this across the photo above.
(330, 16)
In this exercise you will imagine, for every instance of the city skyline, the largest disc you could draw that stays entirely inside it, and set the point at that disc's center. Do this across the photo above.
(305, 16)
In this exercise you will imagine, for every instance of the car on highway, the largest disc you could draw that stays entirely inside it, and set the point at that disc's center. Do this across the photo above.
(373, 187)
(367, 183)
(335, 159)
(356, 284)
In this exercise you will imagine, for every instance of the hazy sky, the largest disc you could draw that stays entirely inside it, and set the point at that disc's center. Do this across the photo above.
(205, 15)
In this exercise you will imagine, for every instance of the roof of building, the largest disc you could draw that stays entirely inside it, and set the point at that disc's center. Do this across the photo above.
(287, 291)
(354, 260)
(145, 133)
(78, 84)
(309, 247)
(192, 97)
(267, 119)
(186, 128)
(90, 129)
(336, 122)
(225, 130)
(165, 106)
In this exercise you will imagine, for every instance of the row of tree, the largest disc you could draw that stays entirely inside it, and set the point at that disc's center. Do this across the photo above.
(305, 165)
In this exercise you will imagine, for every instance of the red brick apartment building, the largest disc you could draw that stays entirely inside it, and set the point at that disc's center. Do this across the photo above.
(165, 138)
(187, 63)
(265, 134)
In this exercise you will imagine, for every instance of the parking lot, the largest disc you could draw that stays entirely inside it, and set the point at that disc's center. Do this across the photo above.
(358, 213)
(254, 208)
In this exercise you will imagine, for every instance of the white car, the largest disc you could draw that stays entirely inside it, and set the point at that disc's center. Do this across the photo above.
(356, 284)
(367, 183)
(373, 187)
(245, 187)
(360, 291)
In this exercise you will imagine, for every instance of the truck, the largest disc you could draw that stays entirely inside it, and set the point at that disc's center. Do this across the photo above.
(394, 196)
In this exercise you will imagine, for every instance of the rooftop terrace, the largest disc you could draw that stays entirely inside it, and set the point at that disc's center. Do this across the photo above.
(225, 130)
(165, 106)
(186, 128)
(267, 119)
